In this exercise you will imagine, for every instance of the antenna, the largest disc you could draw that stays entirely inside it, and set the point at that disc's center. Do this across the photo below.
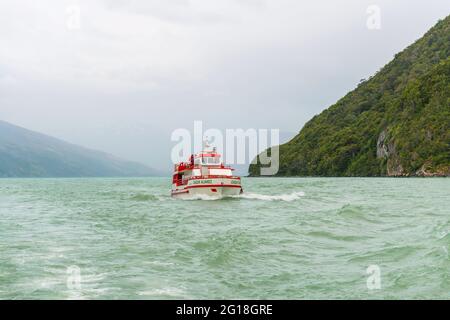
(205, 143)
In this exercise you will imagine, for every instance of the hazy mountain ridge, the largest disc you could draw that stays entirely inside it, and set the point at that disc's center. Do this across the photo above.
(24, 153)
(397, 123)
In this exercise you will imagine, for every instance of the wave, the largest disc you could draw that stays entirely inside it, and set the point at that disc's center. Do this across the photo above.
(144, 197)
(389, 254)
(333, 236)
(352, 212)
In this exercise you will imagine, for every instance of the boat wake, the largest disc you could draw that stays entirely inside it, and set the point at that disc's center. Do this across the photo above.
(288, 197)
(203, 197)
(280, 197)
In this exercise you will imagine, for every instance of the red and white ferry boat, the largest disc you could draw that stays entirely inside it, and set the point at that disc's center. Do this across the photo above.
(205, 175)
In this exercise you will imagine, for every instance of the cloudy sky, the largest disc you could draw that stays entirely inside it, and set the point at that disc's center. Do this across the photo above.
(120, 75)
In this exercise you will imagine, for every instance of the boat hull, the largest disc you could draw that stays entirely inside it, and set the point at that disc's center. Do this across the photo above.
(216, 188)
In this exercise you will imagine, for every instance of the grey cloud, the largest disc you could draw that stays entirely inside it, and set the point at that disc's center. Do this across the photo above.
(136, 70)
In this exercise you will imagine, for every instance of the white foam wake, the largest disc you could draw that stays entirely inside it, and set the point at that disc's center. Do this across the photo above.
(202, 197)
(253, 196)
(172, 292)
(280, 197)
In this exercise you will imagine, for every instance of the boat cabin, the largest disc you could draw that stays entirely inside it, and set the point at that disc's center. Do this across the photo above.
(206, 164)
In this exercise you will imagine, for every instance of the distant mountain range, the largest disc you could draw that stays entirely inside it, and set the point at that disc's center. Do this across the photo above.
(24, 153)
(396, 123)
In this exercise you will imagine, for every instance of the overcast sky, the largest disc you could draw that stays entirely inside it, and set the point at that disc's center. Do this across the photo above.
(122, 75)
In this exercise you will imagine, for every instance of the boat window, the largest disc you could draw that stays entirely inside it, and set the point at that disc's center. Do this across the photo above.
(211, 160)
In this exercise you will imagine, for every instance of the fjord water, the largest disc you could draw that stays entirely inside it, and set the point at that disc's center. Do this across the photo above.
(290, 238)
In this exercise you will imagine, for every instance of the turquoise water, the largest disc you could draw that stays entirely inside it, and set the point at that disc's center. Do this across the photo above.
(286, 238)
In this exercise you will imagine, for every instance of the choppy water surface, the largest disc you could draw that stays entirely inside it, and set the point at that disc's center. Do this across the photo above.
(290, 238)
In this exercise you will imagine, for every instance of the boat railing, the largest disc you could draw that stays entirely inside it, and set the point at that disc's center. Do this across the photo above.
(214, 177)
(184, 167)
